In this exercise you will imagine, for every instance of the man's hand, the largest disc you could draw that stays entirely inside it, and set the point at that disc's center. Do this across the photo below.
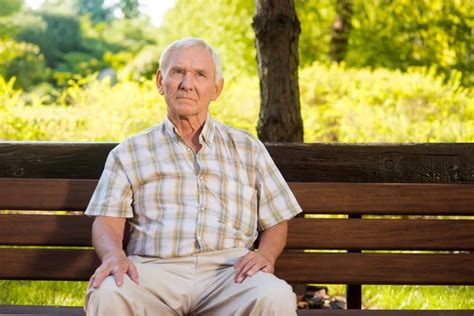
(272, 242)
(117, 266)
(250, 264)
(107, 237)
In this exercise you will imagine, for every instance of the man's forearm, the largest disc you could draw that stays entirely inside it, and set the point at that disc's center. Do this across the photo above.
(273, 241)
(107, 236)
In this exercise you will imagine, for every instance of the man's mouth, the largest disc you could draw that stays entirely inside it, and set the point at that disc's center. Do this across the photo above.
(186, 98)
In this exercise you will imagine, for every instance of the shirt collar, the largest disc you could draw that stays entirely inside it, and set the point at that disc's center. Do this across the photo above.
(208, 131)
(170, 129)
(206, 136)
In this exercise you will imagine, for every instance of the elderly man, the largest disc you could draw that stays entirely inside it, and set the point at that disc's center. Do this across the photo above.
(196, 193)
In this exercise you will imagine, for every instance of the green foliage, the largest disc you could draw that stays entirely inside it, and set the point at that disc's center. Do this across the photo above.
(20, 22)
(129, 8)
(80, 112)
(122, 43)
(227, 25)
(361, 105)
(67, 7)
(55, 34)
(402, 33)
(144, 64)
(75, 48)
(95, 9)
(316, 18)
(126, 34)
(396, 34)
(7, 29)
(23, 61)
(338, 104)
(79, 63)
(118, 60)
(10, 7)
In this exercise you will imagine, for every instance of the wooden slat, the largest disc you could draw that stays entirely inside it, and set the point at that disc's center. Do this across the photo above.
(337, 268)
(390, 163)
(379, 268)
(46, 230)
(354, 296)
(385, 198)
(47, 264)
(45, 194)
(373, 234)
(42, 310)
(381, 234)
(53, 159)
(322, 198)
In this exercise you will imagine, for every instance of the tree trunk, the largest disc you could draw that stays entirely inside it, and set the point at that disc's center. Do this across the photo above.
(277, 29)
(340, 30)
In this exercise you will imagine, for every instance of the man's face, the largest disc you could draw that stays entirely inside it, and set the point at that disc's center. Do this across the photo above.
(188, 82)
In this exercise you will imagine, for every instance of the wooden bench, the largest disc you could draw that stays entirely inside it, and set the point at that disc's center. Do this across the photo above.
(379, 191)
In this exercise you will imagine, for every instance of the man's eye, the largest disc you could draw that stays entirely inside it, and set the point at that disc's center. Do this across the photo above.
(176, 71)
(201, 74)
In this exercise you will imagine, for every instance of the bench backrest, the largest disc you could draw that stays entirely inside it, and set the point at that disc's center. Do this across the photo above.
(374, 214)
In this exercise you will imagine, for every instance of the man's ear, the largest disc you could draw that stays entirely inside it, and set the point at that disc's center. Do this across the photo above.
(218, 89)
(159, 81)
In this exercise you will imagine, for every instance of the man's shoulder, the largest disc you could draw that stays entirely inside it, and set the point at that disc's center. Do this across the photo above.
(141, 139)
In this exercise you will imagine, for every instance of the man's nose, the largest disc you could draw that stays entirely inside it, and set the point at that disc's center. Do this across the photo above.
(187, 81)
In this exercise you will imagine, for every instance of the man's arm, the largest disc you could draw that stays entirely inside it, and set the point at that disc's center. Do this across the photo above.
(107, 237)
(272, 242)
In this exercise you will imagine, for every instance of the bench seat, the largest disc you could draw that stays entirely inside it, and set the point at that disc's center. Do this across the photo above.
(386, 214)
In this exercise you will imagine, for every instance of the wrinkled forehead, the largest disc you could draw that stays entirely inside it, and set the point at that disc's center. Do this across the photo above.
(194, 57)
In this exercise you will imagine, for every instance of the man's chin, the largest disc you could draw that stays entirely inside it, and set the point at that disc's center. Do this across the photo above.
(183, 109)
(182, 112)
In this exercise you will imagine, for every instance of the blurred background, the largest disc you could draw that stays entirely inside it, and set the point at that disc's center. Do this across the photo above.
(370, 71)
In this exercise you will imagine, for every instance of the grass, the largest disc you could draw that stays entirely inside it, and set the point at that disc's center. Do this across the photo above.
(418, 297)
(60, 293)
(64, 293)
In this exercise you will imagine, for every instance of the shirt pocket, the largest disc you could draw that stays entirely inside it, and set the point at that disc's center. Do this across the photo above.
(240, 205)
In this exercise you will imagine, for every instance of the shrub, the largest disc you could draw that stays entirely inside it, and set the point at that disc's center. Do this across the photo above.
(23, 61)
(338, 104)
(364, 105)
(144, 64)
(55, 34)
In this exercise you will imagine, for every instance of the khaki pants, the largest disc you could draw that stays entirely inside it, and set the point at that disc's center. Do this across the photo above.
(201, 284)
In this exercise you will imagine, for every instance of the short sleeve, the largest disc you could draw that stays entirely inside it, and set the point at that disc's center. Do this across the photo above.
(276, 200)
(113, 194)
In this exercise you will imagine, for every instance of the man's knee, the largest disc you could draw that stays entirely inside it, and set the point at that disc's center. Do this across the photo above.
(109, 297)
(279, 293)
(276, 296)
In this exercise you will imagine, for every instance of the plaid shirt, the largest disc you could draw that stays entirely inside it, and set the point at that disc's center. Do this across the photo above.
(180, 202)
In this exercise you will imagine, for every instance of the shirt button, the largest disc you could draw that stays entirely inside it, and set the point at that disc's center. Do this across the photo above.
(189, 149)
(201, 178)
(202, 208)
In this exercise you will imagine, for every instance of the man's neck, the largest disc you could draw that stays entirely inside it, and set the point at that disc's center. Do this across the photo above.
(189, 128)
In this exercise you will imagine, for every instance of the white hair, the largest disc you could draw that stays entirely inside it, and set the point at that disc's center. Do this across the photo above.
(193, 42)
